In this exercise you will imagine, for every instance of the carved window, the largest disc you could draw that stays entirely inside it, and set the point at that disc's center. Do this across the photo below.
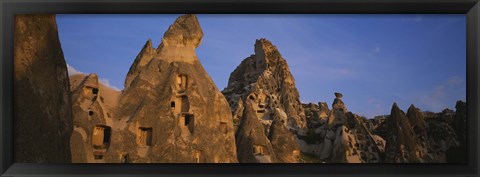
(181, 82)
(190, 122)
(101, 136)
(145, 136)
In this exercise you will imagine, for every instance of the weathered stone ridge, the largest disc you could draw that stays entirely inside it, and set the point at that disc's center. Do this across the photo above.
(94, 110)
(146, 55)
(263, 82)
(180, 40)
(43, 115)
(174, 111)
(265, 77)
(339, 136)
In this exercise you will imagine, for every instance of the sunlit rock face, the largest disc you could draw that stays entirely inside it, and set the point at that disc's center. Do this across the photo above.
(264, 82)
(171, 109)
(93, 106)
(43, 115)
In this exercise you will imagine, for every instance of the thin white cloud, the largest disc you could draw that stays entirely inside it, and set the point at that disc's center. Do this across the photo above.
(376, 49)
(106, 82)
(73, 71)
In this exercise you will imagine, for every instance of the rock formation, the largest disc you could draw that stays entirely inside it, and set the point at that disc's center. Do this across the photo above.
(145, 55)
(93, 109)
(417, 137)
(459, 125)
(43, 115)
(402, 145)
(344, 138)
(253, 146)
(265, 78)
(263, 82)
(173, 110)
(316, 115)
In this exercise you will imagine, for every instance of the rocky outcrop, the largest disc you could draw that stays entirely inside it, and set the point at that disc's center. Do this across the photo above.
(315, 114)
(263, 82)
(338, 103)
(283, 142)
(418, 137)
(253, 146)
(346, 139)
(172, 109)
(43, 115)
(416, 119)
(402, 145)
(459, 124)
(142, 59)
(265, 78)
(93, 107)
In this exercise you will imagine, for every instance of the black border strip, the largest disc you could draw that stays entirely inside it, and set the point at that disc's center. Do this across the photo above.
(473, 67)
(9, 7)
(241, 6)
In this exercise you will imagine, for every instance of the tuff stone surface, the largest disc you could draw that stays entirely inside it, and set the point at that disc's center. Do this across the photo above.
(264, 82)
(42, 104)
(343, 137)
(93, 106)
(172, 109)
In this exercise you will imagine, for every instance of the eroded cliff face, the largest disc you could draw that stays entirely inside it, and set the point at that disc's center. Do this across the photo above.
(263, 82)
(265, 78)
(94, 110)
(42, 104)
(172, 109)
(418, 137)
(341, 136)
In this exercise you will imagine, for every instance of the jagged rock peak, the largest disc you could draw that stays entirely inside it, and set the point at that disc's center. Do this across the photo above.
(338, 103)
(338, 95)
(92, 80)
(148, 45)
(184, 31)
(416, 119)
(395, 108)
(142, 59)
(266, 51)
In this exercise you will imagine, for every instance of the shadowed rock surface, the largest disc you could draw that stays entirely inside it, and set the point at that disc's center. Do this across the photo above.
(418, 137)
(316, 114)
(43, 115)
(459, 124)
(253, 146)
(402, 145)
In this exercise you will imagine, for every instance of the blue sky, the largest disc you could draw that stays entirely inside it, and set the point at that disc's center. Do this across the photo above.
(374, 60)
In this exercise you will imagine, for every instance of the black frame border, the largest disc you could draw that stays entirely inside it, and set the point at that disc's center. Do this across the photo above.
(8, 8)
